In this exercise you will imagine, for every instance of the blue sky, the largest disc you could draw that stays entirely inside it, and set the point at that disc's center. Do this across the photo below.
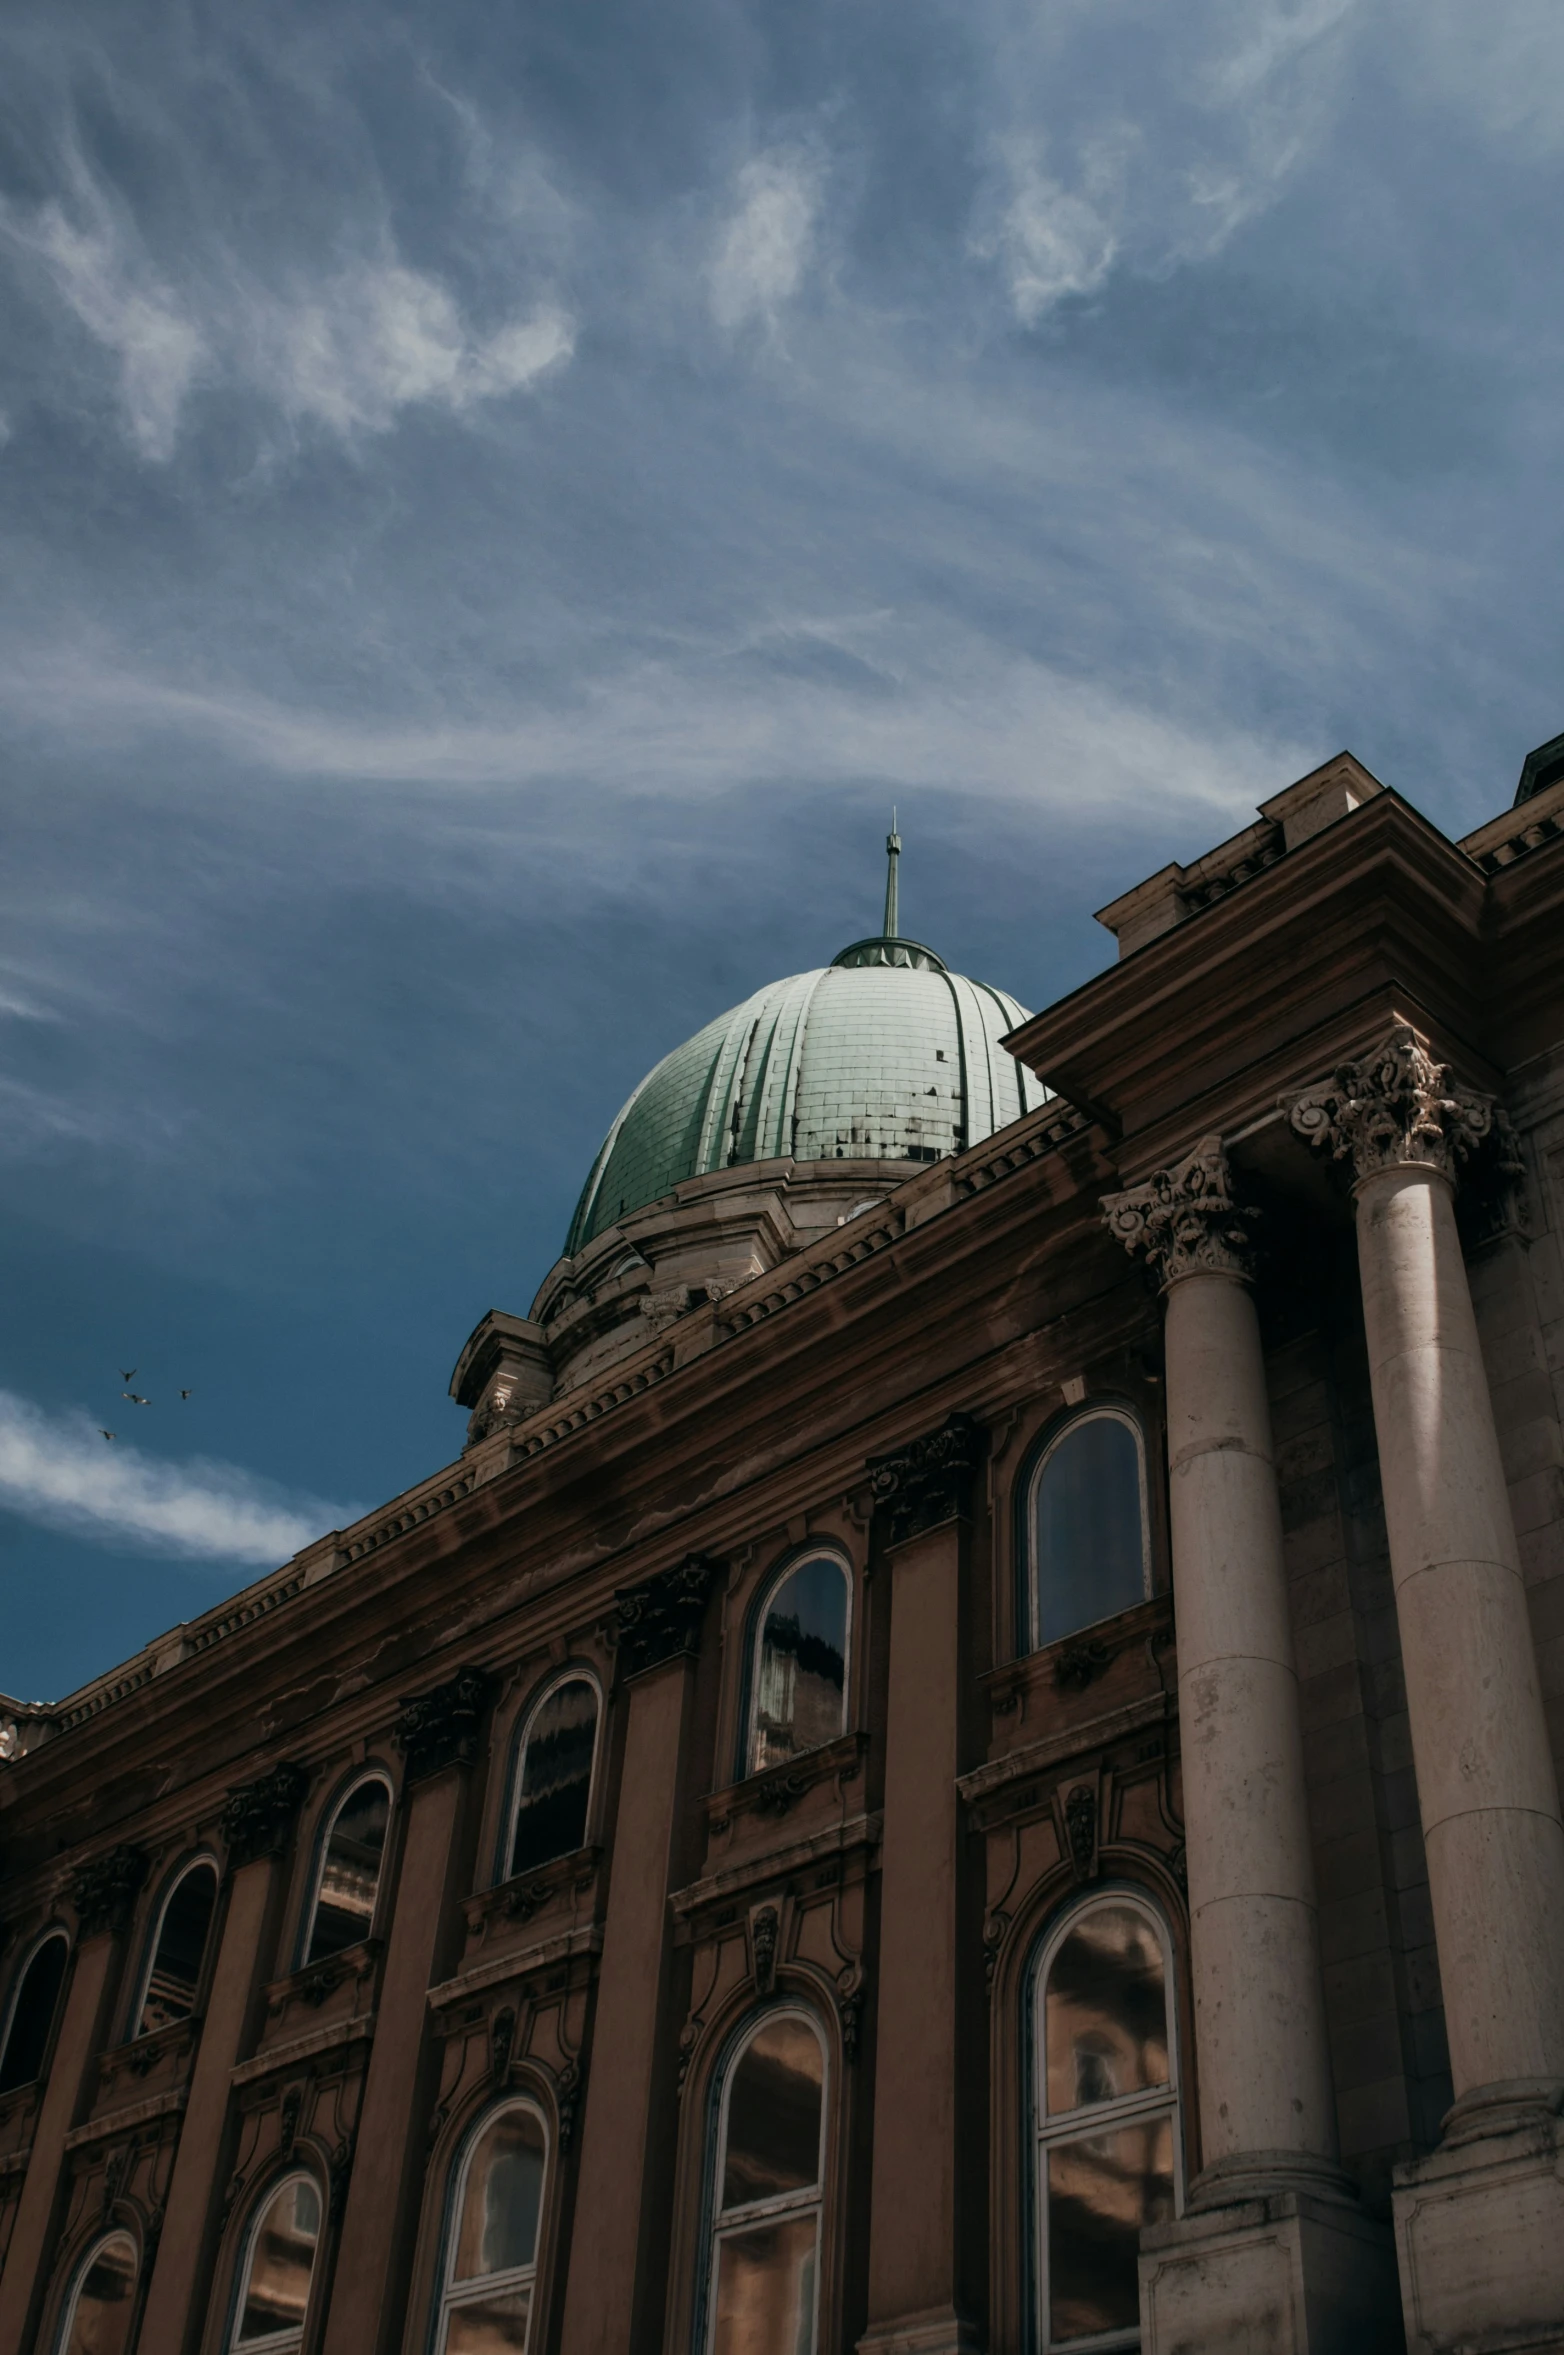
(498, 500)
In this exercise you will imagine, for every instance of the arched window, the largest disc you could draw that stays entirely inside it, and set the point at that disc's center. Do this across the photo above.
(102, 2300)
(491, 2255)
(349, 1879)
(279, 2263)
(33, 2008)
(1088, 1547)
(768, 2163)
(178, 1950)
(1105, 2115)
(798, 1676)
(554, 1776)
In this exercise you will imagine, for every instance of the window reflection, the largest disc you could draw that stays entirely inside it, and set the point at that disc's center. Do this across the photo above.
(554, 1787)
(1088, 1528)
(768, 2166)
(799, 1695)
(278, 2269)
(350, 1871)
(32, 2014)
(104, 2299)
(492, 2255)
(1102, 2176)
(181, 1946)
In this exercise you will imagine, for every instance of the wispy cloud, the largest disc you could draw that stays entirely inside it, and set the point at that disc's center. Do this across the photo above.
(61, 1471)
(765, 243)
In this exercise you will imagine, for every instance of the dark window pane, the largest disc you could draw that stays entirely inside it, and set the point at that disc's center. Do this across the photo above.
(801, 1676)
(33, 2016)
(774, 2114)
(181, 1944)
(765, 2288)
(1088, 1538)
(498, 2231)
(282, 2260)
(1106, 2010)
(1100, 2193)
(350, 1874)
(556, 1777)
(492, 2325)
(100, 2319)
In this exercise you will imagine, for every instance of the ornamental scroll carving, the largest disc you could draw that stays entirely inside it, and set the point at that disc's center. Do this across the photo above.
(660, 1619)
(922, 1486)
(258, 1817)
(1395, 1107)
(104, 1892)
(443, 1727)
(1184, 1220)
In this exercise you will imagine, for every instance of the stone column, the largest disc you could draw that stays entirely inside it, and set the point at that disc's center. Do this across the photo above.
(926, 2215)
(1270, 2204)
(1481, 2225)
(616, 2286)
(439, 1734)
(258, 1826)
(104, 1895)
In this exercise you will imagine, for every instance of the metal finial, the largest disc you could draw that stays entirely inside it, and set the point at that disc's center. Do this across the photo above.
(893, 853)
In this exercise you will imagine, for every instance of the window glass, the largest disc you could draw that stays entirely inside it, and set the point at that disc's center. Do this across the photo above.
(766, 2235)
(555, 1783)
(1088, 1528)
(280, 2262)
(32, 2015)
(350, 1872)
(99, 2316)
(800, 1687)
(1106, 2120)
(493, 2247)
(181, 1945)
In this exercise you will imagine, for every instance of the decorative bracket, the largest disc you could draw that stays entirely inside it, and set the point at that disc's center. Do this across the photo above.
(104, 1892)
(660, 1620)
(921, 1487)
(258, 1817)
(442, 1727)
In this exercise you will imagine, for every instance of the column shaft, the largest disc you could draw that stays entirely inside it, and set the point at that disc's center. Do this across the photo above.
(1264, 2066)
(76, 2049)
(1486, 1784)
(175, 2307)
(617, 2280)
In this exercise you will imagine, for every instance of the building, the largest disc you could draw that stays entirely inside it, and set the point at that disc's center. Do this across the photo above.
(967, 1758)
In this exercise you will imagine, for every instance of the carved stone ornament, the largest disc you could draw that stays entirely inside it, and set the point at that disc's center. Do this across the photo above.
(258, 1817)
(442, 1727)
(923, 1486)
(1184, 1221)
(1395, 1108)
(1080, 1826)
(104, 1892)
(660, 1619)
(502, 2042)
(764, 1929)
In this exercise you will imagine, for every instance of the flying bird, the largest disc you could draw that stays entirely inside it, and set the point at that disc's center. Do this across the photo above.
(135, 1398)
(127, 1373)
(106, 1434)
(184, 1394)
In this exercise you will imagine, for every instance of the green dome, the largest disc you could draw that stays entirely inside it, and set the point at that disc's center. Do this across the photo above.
(883, 1055)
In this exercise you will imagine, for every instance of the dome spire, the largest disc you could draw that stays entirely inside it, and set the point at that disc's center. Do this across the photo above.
(891, 926)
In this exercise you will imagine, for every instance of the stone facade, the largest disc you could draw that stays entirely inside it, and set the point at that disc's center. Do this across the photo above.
(1313, 1764)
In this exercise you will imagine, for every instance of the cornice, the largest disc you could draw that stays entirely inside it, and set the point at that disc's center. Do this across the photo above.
(358, 2028)
(518, 1962)
(142, 2113)
(1036, 1758)
(857, 1833)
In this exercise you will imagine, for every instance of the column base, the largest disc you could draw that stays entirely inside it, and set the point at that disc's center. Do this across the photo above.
(938, 2330)
(1285, 2272)
(1480, 2230)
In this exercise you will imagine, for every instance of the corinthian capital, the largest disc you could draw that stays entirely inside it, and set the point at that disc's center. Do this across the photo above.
(1184, 1220)
(1395, 1107)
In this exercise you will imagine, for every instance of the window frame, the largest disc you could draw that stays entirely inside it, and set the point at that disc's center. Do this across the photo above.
(78, 2282)
(370, 1774)
(44, 1937)
(760, 1611)
(449, 2296)
(1045, 2134)
(720, 2223)
(280, 2342)
(1096, 1410)
(572, 1673)
(134, 2031)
